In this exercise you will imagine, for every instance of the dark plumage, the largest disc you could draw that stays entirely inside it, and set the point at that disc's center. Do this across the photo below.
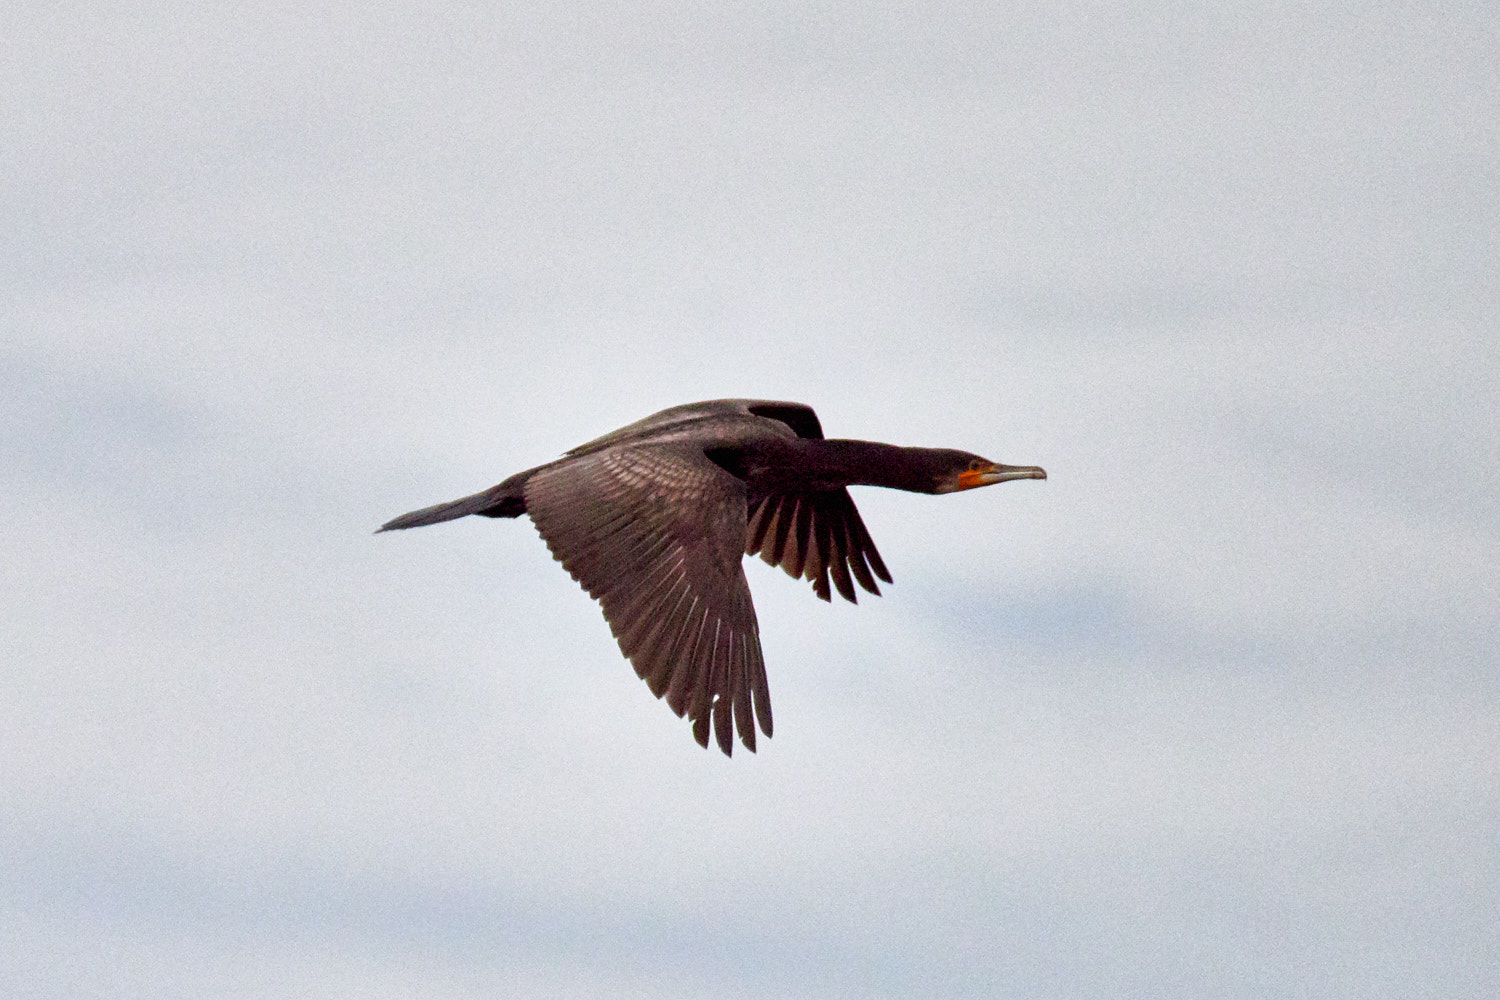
(652, 520)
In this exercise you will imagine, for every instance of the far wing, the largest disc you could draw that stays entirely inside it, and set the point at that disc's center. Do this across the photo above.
(813, 535)
(655, 534)
(799, 417)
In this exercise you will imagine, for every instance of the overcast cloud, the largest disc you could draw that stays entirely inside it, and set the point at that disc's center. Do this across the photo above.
(1214, 711)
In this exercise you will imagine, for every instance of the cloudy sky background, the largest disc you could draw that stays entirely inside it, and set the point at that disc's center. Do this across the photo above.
(1214, 711)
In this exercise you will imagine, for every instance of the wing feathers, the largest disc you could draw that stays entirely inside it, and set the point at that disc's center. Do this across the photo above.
(816, 536)
(739, 690)
(656, 534)
(838, 541)
(759, 520)
(759, 688)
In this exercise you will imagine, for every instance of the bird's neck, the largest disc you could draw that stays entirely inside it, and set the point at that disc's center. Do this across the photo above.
(842, 462)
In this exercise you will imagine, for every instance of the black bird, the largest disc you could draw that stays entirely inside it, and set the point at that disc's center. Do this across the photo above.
(652, 519)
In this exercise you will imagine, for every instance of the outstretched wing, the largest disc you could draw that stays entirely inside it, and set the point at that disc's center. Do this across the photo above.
(814, 535)
(655, 534)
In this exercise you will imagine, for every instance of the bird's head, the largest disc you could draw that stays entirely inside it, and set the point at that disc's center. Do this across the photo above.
(959, 470)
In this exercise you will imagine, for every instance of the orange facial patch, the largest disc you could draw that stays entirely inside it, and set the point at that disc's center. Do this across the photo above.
(970, 478)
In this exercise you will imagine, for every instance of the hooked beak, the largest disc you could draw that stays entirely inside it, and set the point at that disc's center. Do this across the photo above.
(970, 478)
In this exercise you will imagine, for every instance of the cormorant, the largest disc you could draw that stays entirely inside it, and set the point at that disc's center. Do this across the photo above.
(652, 520)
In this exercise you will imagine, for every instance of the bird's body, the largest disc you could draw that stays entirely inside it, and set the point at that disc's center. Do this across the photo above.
(652, 520)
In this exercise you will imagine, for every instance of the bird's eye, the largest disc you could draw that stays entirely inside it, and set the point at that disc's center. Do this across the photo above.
(976, 464)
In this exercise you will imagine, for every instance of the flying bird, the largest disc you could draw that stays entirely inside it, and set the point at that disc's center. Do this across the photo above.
(652, 520)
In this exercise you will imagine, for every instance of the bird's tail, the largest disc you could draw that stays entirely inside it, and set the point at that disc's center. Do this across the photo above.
(505, 500)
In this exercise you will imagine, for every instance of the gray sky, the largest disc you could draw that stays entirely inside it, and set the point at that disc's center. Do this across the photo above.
(1212, 712)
